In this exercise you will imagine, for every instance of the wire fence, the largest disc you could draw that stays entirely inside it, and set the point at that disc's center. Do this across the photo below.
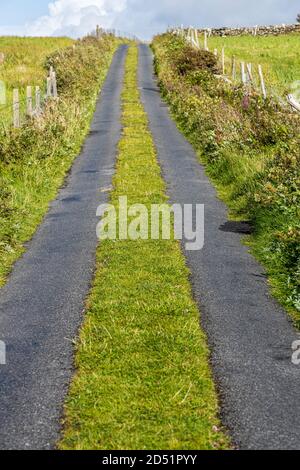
(99, 32)
(27, 103)
(251, 76)
(19, 105)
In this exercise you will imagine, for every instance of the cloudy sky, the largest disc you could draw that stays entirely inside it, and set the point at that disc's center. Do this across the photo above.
(142, 17)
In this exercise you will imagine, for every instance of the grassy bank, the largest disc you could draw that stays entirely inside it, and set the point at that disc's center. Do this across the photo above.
(143, 378)
(251, 151)
(34, 159)
(277, 54)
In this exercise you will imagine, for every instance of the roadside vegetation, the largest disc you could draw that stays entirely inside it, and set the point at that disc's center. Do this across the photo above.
(35, 158)
(251, 151)
(143, 379)
(278, 55)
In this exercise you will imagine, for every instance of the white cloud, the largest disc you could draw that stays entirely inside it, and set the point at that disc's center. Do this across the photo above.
(75, 17)
(147, 17)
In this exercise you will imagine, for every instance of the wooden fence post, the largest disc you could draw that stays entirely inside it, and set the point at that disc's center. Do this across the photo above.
(16, 108)
(243, 74)
(49, 87)
(197, 39)
(249, 72)
(293, 102)
(29, 101)
(223, 60)
(2, 92)
(37, 100)
(205, 41)
(54, 85)
(233, 68)
(262, 82)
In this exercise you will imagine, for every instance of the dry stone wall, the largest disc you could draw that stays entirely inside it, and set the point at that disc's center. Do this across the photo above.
(274, 30)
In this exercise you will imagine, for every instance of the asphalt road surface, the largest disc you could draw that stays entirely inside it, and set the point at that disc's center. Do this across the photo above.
(249, 333)
(41, 306)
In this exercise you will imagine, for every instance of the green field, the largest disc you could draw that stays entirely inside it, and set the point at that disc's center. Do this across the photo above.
(24, 65)
(278, 55)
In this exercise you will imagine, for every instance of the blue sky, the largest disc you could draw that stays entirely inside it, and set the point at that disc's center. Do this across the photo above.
(15, 12)
(143, 17)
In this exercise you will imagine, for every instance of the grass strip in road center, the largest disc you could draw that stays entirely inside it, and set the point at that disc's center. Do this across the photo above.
(143, 379)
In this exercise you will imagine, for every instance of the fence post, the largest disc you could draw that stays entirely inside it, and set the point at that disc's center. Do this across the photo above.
(249, 72)
(37, 99)
(293, 102)
(98, 31)
(16, 108)
(2, 57)
(197, 38)
(49, 87)
(2, 92)
(205, 41)
(243, 74)
(29, 101)
(262, 82)
(233, 68)
(223, 60)
(54, 85)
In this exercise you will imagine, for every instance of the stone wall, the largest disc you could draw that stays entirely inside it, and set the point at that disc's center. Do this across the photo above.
(274, 30)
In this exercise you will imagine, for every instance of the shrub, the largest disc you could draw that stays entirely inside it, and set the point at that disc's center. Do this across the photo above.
(191, 60)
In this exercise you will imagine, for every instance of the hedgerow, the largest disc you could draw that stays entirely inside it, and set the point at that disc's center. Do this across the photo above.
(251, 150)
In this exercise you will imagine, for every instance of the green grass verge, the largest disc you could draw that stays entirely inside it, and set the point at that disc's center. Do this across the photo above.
(143, 378)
